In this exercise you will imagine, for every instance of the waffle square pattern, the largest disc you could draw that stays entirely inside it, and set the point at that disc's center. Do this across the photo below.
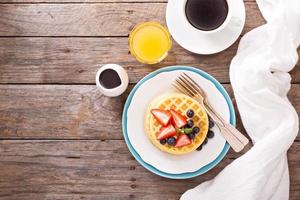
(180, 103)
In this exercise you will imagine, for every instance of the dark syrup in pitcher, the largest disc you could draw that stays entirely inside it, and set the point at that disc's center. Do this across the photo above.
(109, 79)
(206, 15)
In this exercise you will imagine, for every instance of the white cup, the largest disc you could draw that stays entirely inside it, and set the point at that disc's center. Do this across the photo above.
(113, 92)
(224, 24)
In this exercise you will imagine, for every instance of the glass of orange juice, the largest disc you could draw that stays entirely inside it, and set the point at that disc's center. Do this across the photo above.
(149, 42)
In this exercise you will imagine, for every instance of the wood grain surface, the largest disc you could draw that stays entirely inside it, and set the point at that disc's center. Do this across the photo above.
(59, 137)
(76, 60)
(95, 170)
(89, 1)
(101, 19)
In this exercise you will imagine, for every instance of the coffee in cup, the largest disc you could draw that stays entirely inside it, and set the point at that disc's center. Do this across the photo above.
(206, 15)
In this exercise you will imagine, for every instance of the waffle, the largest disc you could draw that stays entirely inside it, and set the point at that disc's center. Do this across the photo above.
(181, 103)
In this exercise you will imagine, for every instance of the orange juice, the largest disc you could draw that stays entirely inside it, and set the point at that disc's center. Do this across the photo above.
(149, 42)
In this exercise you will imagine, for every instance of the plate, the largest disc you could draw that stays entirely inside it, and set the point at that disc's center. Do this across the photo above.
(198, 42)
(161, 163)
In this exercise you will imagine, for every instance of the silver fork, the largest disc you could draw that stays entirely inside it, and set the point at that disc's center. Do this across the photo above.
(188, 86)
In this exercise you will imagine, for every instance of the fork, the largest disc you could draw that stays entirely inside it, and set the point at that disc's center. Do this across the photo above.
(188, 86)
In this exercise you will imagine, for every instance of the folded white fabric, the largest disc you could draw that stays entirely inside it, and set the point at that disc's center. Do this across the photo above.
(260, 81)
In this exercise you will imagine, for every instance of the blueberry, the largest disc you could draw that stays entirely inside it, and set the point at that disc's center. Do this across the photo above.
(190, 123)
(210, 134)
(199, 148)
(191, 135)
(171, 141)
(205, 141)
(163, 141)
(190, 113)
(211, 123)
(196, 129)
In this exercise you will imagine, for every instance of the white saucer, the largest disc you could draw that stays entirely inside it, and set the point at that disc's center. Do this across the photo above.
(157, 85)
(198, 42)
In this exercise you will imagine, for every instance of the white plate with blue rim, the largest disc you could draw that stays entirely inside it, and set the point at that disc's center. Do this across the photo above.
(162, 163)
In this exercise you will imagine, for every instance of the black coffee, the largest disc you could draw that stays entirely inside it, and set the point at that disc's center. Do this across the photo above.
(206, 15)
(109, 79)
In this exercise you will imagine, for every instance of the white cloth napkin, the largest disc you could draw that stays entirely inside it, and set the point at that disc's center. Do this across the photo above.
(260, 81)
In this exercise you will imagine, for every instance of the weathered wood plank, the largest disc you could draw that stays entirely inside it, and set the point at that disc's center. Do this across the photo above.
(84, 1)
(95, 170)
(87, 1)
(69, 111)
(106, 19)
(76, 60)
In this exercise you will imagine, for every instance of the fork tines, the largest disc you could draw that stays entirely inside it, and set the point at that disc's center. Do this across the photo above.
(187, 85)
(189, 80)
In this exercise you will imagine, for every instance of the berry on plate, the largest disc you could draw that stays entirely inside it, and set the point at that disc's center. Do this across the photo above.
(163, 116)
(166, 132)
(190, 113)
(171, 141)
(196, 130)
(178, 119)
(191, 135)
(183, 140)
(163, 141)
(210, 134)
(190, 123)
(211, 123)
(199, 148)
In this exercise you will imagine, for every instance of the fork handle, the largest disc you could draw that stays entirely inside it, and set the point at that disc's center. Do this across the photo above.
(237, 134)
(235, 143)
(227, 132)
(228, 126)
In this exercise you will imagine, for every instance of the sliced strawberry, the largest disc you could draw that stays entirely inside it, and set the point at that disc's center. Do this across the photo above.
(166, 132)
(183, 140)
(162, 116)
(178, 119)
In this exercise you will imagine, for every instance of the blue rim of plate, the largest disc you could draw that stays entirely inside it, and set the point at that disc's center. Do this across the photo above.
(151, 168)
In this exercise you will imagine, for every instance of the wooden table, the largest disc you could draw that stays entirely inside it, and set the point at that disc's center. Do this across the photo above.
(60, 138)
